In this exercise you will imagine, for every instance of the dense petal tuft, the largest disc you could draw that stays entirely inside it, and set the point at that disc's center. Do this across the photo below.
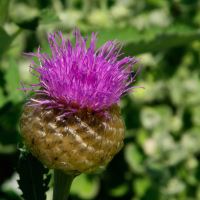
(77, 77)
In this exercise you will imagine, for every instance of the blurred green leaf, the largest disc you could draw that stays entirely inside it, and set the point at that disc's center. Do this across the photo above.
(5, 41)
(175, 186)
(85, 187)
(157, 3)
(196, 115)
(140, 186)
(119, 190)
(7, 149)
(164, 40)
(190, 141)
(2, 98)
(126, 35)
(48, 16)
(12, 78)
(152, 118)
(24, 15)
(152, 40)
(32, 182)
(4, 5)
(9, 187)
(134, 158)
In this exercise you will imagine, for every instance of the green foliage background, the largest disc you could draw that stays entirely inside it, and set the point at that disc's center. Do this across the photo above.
(160, 159)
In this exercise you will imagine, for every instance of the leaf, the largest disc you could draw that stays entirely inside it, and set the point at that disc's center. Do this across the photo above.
(126, 35)
(25, 16)
(12, 79)
(152, 118)
(162, 42)
(84, 187)
(134, 158)
(32, 181)
(2, 98)
(152, 40)
(48, 16)
(140, 186)
(4, 5)
(7, 149)
(5, 40)
(119, 191)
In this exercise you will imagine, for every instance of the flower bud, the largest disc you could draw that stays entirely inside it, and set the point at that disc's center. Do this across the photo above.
(81, 142)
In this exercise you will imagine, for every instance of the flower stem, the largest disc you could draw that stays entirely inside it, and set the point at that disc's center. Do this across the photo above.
(62, 184)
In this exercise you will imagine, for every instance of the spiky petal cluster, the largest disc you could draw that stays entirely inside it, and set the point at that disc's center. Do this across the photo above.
(77, 77)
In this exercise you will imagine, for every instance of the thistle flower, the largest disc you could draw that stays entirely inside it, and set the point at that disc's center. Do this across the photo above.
(73, 123)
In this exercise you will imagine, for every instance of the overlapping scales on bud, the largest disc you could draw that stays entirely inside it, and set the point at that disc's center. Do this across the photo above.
(82, 142)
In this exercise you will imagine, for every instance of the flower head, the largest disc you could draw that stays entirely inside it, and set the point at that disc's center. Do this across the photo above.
(77, 77)
(85, 81)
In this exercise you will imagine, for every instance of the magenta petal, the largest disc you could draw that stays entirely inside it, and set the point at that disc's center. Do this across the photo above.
(81, 77)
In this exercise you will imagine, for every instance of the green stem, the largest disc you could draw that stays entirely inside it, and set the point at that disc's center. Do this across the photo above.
(62, 184)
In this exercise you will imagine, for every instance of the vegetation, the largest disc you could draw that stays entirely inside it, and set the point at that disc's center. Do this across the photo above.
(160, 158)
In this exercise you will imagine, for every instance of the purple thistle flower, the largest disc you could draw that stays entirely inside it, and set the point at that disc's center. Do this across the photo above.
(77, 77)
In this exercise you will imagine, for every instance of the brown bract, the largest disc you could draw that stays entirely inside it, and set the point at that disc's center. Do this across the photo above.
(81, 142)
